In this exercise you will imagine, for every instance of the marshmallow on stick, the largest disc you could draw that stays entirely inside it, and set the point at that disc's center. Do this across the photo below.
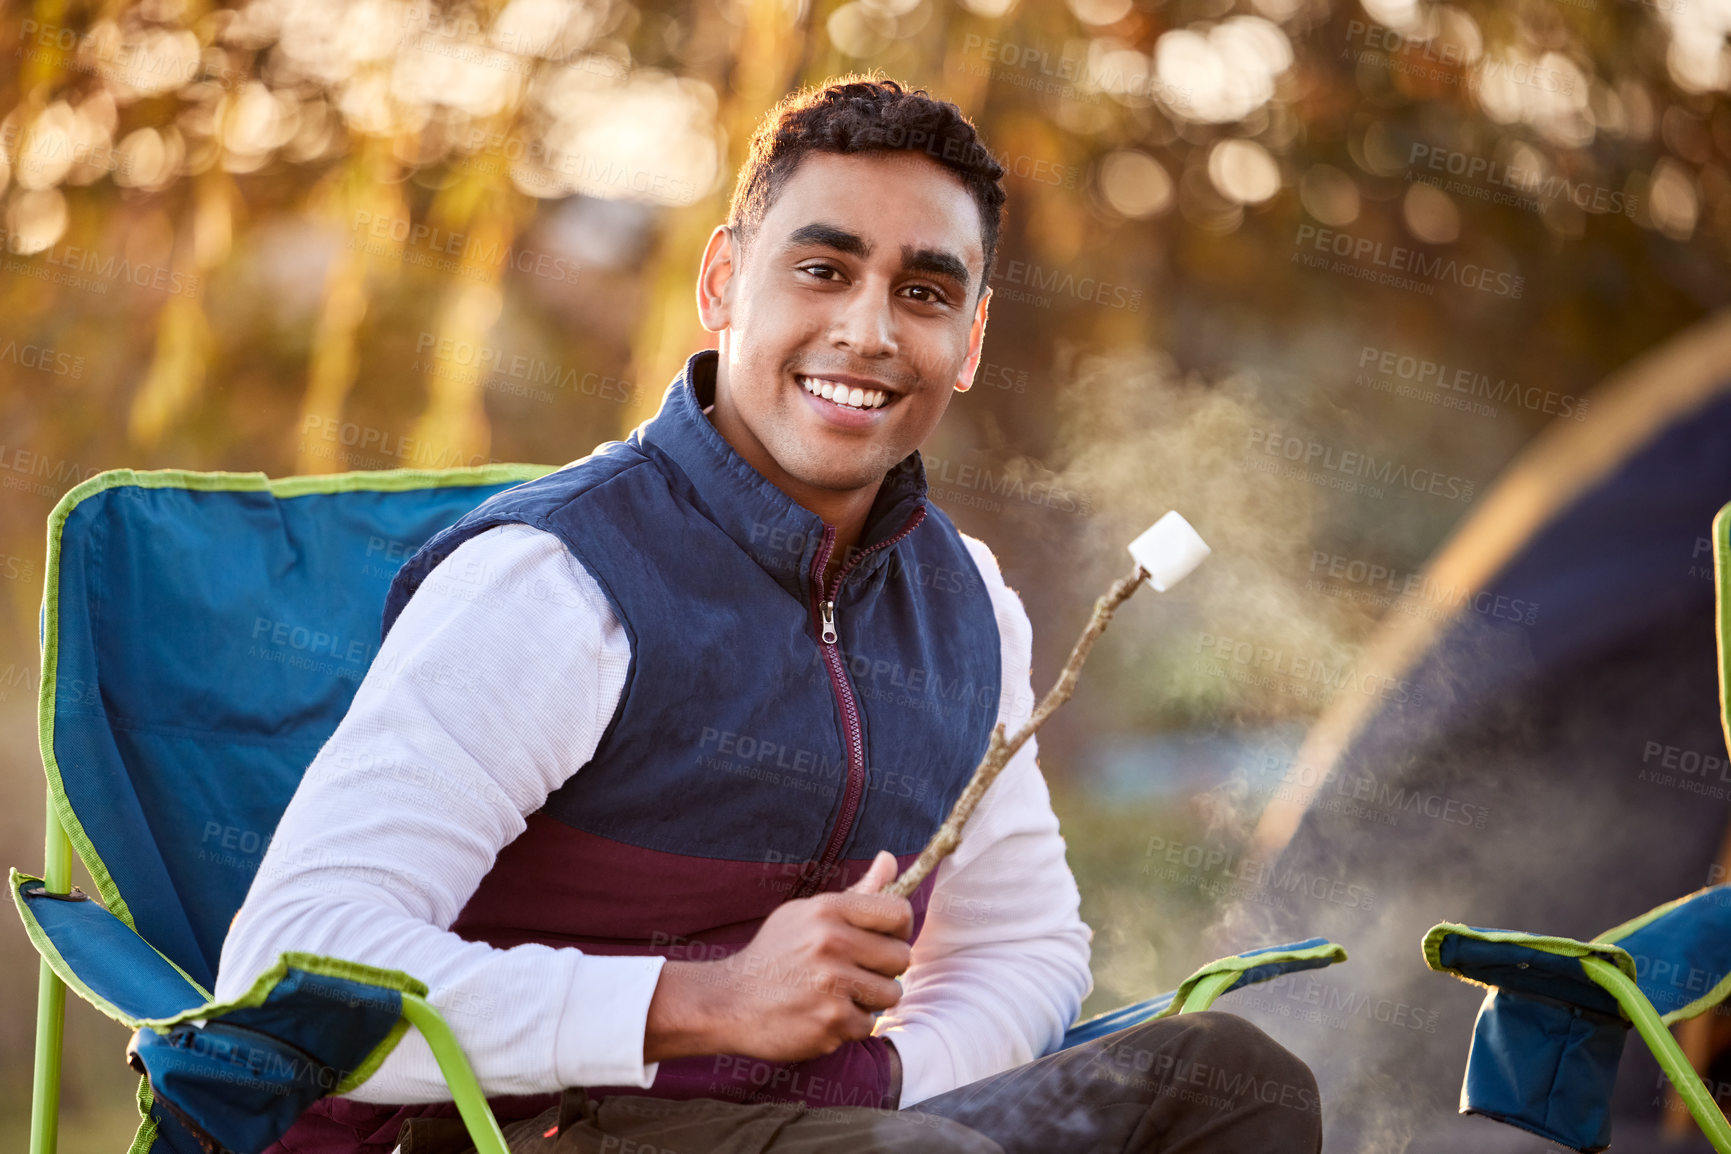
(1166, 554)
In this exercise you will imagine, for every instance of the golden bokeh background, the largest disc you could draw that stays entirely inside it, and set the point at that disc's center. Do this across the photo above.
(304, 236)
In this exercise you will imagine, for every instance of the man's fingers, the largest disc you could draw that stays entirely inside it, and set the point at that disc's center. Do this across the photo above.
(857, 1025)
(879, 874)
(868, 991)
(883, 954)
(880, 913)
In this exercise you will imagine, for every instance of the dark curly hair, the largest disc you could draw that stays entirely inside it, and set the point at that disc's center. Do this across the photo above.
(865, 113)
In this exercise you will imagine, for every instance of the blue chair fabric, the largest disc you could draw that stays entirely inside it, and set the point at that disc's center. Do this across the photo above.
(238, 1075)
(202, 636)
(1548, 1039)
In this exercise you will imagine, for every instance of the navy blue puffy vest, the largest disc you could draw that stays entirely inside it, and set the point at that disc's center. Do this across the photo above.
(749, 761)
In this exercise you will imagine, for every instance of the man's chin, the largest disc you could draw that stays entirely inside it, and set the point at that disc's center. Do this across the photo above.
(844, 483)
(816, 471)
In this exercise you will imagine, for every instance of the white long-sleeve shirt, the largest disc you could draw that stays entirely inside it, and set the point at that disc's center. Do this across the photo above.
(491, 690)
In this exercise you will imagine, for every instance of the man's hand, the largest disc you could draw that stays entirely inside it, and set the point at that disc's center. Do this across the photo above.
(811, 979)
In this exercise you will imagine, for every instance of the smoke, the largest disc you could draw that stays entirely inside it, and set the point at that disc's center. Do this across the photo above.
(1519, 806)
(1138, 438)
(1484, 785)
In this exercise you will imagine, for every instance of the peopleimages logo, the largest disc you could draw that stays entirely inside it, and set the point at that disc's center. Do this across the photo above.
(1396, 259)
(1238, 659)
(469, 254)
(1374, 37)
(493, 364)
(23, 469)
(1439, 383)
(73, 262)
(1033, 67)
(1307, 454)
(965, 484)
(42, 358)
(1028, 279)
(1388, 587)
(1428, 164)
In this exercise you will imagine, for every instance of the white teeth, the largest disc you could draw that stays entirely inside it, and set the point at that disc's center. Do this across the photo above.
(842, 395)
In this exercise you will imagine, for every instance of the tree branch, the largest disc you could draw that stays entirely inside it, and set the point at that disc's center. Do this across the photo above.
(999, 751)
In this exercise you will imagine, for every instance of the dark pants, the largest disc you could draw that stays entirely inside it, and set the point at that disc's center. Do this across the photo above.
(1182, 1085)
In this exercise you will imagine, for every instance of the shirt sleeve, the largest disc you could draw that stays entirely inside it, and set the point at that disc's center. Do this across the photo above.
(491, 689)
(1001, 965)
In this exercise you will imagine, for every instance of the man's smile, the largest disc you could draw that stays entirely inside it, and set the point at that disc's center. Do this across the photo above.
(847, 405)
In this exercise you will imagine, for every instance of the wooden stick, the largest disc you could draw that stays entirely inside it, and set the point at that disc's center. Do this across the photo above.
(999, 751)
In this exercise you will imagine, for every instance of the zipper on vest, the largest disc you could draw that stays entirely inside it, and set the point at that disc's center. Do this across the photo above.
(823, 605)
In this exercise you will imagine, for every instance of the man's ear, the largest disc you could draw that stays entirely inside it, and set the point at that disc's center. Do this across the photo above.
(976, 343)
(715, 280)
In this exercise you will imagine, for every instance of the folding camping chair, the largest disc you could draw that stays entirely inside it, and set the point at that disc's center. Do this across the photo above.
(202, 635)
(1550, 1032)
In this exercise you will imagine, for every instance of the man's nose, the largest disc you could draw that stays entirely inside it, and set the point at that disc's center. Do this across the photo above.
(865, 323)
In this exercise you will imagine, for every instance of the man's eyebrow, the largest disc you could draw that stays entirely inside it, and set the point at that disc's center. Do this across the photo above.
(829, 236)
(935, 261)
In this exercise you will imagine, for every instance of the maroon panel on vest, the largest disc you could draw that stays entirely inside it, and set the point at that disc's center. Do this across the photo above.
(559, 886)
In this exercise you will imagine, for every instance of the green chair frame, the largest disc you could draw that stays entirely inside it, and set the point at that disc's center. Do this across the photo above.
(1657, 1034)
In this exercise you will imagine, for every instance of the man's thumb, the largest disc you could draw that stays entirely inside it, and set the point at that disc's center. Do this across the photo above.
(880, 874)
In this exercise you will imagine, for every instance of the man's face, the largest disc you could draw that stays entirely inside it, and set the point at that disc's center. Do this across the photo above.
(862, 273)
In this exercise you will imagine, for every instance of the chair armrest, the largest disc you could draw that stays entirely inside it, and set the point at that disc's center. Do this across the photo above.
(1539, 965)
(240, 1072)
(1549, 1036)
(1198, 991)
(100, 957)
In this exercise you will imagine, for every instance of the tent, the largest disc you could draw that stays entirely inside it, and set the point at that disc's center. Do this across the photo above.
(1555, 769)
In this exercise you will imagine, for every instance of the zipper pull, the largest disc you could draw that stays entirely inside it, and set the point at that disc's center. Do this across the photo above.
(829, 634)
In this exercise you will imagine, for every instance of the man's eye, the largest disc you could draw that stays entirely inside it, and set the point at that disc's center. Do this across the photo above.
(937, 295)
(817, 268)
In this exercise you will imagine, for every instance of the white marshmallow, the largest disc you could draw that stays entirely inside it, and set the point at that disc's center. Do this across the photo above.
(1168, 551)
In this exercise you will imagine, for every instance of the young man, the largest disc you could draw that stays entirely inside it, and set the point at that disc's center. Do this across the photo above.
(646, 736)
